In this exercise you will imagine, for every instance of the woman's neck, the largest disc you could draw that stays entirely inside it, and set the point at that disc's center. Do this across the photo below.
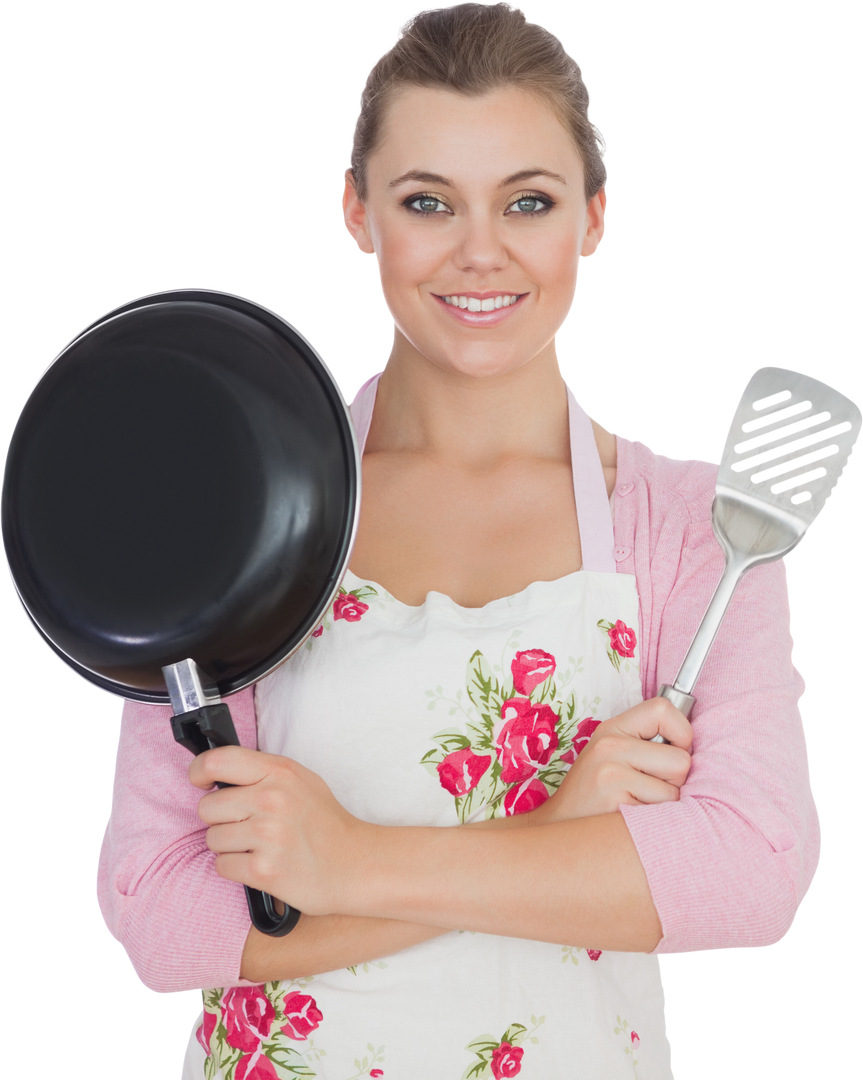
(477, 422)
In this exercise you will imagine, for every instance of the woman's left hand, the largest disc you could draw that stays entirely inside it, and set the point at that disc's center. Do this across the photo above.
(279, 829)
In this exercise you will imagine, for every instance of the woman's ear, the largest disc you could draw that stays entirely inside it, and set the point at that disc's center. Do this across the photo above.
(595, 223)
(355, 215)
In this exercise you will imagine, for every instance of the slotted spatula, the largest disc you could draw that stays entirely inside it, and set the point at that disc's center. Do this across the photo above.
(788, 444)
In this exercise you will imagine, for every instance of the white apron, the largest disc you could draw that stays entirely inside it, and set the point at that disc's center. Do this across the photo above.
(436, 715)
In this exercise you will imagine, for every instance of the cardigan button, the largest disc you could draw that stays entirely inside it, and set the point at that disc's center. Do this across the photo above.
(624, 489)
(621, 553)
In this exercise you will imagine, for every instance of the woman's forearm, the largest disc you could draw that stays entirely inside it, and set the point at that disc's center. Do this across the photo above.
(326, 942)
(577, 882)
(321, 943)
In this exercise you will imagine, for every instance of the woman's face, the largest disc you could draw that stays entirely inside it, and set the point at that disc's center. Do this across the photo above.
(475, 208)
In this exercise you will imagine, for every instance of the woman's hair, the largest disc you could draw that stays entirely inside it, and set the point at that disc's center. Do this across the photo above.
(474, 49)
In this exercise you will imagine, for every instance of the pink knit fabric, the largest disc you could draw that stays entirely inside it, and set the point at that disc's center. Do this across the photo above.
(727, 864)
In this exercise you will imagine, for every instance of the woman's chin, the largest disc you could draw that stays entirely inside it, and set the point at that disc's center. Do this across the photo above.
(489, 360)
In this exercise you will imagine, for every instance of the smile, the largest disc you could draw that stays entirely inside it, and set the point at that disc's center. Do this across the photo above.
(484, 311)
(488, 303)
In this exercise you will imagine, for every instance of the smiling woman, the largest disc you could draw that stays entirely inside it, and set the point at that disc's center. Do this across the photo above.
(503, 211)
(474, 249)
(529, 579)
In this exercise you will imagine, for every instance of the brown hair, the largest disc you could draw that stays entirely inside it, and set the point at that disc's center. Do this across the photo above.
(474, 49)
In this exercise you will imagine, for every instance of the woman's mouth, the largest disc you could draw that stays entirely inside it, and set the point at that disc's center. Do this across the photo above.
(479, 309)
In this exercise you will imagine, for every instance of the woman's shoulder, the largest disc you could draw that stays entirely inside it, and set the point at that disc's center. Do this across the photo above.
(668, 488)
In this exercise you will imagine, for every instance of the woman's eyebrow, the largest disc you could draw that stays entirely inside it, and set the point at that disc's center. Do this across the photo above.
(419, 176)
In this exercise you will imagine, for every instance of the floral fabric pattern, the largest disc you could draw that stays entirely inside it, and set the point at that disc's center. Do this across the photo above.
(569, 954)
(621, 641)
(632, 1043)
(348, 606)
(501, 1057)
(520, 737)
(523, 723)
(251, 1032)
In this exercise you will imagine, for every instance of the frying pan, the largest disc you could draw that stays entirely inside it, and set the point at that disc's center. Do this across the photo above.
(179, 505)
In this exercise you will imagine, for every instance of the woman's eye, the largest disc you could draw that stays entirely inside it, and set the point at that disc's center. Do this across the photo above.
(427, 204)
(526, 206)
(529, 204)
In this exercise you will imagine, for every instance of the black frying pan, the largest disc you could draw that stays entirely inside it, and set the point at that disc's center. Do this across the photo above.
(179, 504)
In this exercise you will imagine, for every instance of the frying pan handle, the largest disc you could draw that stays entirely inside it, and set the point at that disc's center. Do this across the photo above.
(204, 729)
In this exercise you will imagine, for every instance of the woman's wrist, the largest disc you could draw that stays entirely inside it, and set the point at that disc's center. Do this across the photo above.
(539, 816)
(326, 943)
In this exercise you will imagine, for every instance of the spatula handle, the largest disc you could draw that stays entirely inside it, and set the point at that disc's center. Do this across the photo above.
(680, 694)
(682, 701)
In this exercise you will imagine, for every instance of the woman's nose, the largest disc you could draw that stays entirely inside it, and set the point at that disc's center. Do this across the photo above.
(481, 248)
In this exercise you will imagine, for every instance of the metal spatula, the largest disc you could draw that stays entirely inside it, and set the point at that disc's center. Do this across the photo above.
(788, 444)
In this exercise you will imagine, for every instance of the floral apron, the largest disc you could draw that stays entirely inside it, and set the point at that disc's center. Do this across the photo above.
(437, 715)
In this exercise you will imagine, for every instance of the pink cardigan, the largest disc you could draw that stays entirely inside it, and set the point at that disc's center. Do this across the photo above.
(727, 865)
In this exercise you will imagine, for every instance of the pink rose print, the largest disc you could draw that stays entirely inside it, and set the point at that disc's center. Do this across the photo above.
(302, 1015)
(635, 1039)
(376, 1072)
(580, 739)
(526, 740)
(530, 668)
(248, 1015)
(622, 639)
(346, 606)
(255, 1067)
(594, 954)
(462, 770)
(506, 1060)
(319, 631)
(526, 797)
(205, 1031)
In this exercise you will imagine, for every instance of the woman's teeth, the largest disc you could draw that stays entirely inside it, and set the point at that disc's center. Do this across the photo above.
(473, 304)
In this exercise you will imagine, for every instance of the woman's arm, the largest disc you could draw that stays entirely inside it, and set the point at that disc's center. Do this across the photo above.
(182, 925)
(725, 865)
(618, 766)
(453, 875)
(321, 943)
(576, 882)
(729, 863)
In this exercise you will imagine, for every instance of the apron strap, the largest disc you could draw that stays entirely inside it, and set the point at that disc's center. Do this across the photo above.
(362, 408)
(591, 499)
(595, 527)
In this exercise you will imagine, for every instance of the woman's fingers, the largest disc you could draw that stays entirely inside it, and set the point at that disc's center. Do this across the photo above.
(620, 764)
(656, 716)
(665, 762)
(638, 788)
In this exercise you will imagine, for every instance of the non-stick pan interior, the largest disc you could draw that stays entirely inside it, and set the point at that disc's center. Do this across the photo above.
(182, 483)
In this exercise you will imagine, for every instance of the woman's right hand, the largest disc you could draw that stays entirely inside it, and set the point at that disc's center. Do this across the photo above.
(621, 765)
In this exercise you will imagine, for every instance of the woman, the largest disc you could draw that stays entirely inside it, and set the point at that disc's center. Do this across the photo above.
(484, 664)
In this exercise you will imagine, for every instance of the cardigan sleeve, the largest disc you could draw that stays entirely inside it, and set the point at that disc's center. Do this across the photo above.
(183, 926)
(728, 863)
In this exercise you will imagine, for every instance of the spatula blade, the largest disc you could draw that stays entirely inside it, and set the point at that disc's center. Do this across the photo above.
(789, 441)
